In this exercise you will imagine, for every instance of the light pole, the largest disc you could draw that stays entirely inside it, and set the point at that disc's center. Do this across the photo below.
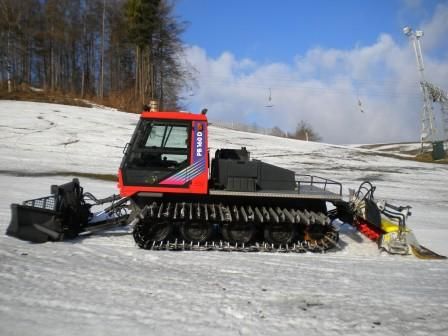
(428, 133)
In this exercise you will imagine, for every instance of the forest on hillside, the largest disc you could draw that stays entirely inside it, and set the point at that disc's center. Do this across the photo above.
(123, 51)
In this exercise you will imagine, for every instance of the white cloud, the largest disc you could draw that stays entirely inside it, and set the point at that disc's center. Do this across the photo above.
(323, 87)
(436, 30)
(413, 4)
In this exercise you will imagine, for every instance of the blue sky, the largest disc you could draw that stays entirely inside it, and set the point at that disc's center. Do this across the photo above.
(240, 49)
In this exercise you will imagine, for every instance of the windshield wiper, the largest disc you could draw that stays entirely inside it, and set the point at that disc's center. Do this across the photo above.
(166, 135)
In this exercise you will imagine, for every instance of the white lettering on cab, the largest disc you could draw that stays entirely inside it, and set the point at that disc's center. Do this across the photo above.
(199, 144)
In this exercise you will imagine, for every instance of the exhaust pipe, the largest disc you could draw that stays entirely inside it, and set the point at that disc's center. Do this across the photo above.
(153, 105)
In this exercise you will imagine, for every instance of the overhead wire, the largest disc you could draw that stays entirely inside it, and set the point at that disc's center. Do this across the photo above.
(366, 87)
(374, 91)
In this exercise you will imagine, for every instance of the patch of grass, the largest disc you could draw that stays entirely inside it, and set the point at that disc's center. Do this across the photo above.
(95, 176)
(422, 157)
(123, 100)
(427, 157)
(27, 94)
(412, 154)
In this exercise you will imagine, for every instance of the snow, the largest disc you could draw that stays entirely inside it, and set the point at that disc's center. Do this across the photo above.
(105, 285)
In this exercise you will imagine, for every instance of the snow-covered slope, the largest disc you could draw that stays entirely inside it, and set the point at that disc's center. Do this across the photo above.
(105, 285)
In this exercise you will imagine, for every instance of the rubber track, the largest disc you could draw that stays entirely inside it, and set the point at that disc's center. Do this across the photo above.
(221, 214)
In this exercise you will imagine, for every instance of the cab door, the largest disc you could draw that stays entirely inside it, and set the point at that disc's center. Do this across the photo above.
(159, 149)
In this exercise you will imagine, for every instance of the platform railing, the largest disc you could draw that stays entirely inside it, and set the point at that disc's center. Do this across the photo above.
(310, 181)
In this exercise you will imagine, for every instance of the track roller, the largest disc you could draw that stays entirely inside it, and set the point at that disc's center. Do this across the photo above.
(157, 231)
(314, 232)
(196, 231)
(280, 233)
(238, 232)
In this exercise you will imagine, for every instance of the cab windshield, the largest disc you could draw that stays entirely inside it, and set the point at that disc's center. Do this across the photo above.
(163, 136)
(162, 145)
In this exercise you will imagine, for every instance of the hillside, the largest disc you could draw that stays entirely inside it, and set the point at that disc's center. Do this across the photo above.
(105, 285)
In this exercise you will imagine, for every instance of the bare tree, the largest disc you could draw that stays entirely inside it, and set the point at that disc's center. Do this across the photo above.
(277, 131)
(95, 48)
(304, 131)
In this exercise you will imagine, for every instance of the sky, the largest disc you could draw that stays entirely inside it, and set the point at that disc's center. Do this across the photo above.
(344, 67)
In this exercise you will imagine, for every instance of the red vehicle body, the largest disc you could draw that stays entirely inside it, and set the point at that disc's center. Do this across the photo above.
(190, 177)
(181, 195)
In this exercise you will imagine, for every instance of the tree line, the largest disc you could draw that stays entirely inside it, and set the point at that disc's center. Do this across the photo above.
(303, 131)
(123, 51)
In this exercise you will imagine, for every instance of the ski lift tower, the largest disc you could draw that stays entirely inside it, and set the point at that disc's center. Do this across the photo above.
(431, 93)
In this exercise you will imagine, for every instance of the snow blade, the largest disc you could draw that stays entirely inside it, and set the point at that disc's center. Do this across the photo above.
(34, 224)
(51, 218)
(420, 251)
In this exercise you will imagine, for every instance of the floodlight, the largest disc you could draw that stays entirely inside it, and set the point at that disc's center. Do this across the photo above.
(407, 31)
(419, 33)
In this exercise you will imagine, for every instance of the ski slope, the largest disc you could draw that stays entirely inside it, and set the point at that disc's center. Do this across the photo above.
(105, 285)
